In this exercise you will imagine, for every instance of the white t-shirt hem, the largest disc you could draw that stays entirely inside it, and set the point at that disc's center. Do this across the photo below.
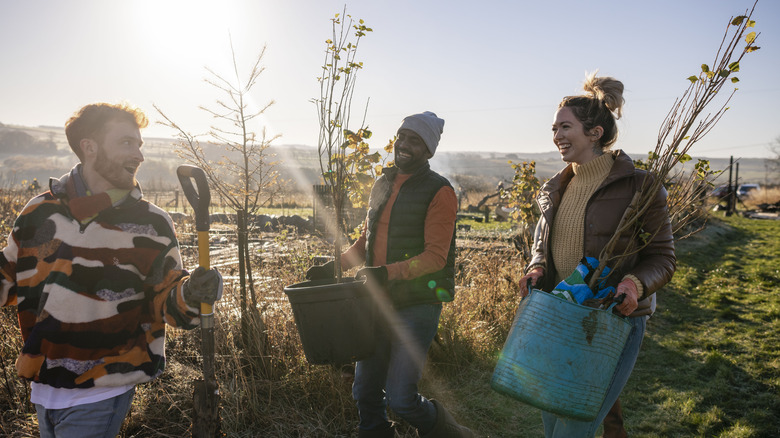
(60, 398)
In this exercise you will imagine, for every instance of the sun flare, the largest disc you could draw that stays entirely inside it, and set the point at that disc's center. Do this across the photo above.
(184, 31)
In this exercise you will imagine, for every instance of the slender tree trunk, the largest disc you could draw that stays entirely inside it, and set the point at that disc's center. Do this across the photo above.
(241, 231)
(337, 241)
(249, 272)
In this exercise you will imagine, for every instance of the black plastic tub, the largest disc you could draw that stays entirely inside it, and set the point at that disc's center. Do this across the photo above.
(335, 320)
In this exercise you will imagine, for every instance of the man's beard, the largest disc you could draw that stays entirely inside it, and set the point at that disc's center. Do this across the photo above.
(114, 171)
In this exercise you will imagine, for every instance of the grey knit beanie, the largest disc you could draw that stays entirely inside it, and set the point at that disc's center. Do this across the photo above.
(427, 126)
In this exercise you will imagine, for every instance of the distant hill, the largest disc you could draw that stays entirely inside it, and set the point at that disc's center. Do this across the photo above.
(42, 152)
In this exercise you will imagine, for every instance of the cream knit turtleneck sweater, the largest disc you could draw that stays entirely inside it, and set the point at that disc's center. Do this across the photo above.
(569, 225)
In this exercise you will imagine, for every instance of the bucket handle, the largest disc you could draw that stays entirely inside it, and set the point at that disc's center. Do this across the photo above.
(618, 299)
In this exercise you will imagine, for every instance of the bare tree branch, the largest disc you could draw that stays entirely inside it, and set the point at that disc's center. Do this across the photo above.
(680, 131)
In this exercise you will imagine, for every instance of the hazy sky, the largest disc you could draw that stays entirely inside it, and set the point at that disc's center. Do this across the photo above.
(494, 70)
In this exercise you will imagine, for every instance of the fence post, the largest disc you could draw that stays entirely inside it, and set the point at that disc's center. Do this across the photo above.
(730, 193)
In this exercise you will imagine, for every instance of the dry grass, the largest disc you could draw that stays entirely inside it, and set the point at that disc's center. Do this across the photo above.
(477, 322)
(18, 416)
(770, 195)
(266, 386)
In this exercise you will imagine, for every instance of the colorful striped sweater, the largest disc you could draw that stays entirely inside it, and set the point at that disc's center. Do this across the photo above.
(94, 284)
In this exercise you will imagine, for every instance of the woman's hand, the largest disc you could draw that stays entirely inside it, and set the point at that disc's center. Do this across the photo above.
(628, 288)
(533, 277)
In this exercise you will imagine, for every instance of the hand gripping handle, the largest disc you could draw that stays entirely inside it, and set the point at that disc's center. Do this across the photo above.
(199, 198)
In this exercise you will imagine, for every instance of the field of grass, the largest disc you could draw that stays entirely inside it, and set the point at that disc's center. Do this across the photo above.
(710, 363)
(709, 366)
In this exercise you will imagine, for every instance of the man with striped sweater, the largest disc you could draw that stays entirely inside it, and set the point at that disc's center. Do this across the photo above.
(96, 274)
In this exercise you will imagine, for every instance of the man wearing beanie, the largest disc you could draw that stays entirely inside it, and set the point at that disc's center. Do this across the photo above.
(408, 248)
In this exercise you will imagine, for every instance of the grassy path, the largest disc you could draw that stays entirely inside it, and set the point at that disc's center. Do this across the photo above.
(710, 363)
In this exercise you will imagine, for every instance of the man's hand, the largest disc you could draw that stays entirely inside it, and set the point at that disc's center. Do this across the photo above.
(322, 272)
(628, 288)
(533, 277)
(375, 274)
(203, 286)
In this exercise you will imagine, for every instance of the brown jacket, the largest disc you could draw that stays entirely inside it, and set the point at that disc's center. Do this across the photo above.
(654, 265)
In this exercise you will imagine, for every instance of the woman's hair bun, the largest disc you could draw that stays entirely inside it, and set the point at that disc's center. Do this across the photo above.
(606, 89)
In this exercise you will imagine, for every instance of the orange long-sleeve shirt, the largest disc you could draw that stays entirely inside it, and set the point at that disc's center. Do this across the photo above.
(439, 226)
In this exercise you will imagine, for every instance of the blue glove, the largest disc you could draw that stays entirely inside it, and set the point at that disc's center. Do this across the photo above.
(575, 287)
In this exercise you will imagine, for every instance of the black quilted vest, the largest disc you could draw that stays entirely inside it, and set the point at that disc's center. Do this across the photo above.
(406, 237)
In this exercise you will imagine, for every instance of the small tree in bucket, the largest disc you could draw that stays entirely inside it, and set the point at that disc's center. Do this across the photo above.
(335, 318)
(679, 131)
(364, 167)
(334, 107)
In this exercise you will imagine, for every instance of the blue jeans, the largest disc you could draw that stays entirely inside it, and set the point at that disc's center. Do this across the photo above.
(101, 419)
(559, 427)
(390, 376)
